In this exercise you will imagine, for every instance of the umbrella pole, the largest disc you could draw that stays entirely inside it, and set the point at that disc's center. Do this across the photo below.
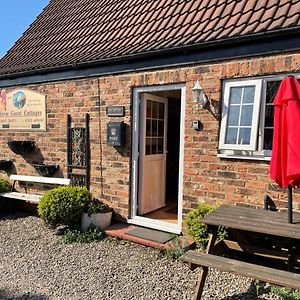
(290, 204)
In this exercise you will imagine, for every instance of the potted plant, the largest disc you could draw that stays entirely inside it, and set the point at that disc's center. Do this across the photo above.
(97, 214)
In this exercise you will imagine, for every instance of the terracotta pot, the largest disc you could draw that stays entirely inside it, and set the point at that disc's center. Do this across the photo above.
(100, 220)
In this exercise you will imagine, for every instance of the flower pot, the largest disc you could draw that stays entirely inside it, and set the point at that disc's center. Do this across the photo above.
(22, 147)
(100, 220)
(46, 170)
(5, 164)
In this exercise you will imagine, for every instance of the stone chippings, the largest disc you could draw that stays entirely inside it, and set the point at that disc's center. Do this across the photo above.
(34, 265)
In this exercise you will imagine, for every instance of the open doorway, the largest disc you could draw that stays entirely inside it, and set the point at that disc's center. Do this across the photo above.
(157, 195)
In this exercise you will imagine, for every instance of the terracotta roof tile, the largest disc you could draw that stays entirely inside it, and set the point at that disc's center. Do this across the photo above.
(74, 31)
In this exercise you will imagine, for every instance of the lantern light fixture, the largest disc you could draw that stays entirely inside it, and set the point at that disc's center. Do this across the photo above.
(199, 95)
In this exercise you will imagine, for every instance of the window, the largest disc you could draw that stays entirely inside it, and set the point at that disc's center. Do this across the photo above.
(155, 127)
(240, 113)
(247, 118)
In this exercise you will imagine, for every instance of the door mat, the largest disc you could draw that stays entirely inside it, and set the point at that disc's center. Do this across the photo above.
(151, 234)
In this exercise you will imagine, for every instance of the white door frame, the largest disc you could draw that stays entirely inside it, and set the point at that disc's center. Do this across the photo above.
(134, 218)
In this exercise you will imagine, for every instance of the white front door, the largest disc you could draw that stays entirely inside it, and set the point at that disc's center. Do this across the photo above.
(152, 154)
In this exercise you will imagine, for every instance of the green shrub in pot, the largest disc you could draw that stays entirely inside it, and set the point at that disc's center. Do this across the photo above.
(64, 205)
(5, 186)
(198, 230)
(97, 206)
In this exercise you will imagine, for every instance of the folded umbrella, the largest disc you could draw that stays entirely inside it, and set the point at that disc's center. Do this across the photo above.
(285, 161)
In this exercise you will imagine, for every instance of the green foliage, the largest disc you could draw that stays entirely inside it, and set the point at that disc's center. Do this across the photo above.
(198, 230)
(97, 206)
(5, 186)
(64, 205)
(177, 250)
(76, 236)
(286, 293)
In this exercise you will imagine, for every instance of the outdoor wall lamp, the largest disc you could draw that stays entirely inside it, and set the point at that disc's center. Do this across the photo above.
(199, 95)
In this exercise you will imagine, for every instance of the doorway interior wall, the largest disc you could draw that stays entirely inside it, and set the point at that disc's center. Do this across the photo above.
(157, 157)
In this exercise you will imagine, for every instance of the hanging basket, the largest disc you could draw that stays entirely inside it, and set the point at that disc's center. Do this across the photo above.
(46, 170)
(22, 147)
(5, 164)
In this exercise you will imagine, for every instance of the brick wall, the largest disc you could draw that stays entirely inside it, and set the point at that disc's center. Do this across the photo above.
(207, 178)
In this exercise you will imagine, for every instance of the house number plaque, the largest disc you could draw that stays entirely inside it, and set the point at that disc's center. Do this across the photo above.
(115, 111)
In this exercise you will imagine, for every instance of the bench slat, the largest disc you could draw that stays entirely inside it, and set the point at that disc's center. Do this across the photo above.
(22, 196)
(39, 179)
(271, 275)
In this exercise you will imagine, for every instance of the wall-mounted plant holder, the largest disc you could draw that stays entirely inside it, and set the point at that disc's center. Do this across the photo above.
(5, 164)
(22, 147)
(46, 170)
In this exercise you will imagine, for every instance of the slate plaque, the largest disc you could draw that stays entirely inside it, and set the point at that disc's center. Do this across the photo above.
(115, 111)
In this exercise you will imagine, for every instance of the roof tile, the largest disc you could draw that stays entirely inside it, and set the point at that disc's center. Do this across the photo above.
(73, 31)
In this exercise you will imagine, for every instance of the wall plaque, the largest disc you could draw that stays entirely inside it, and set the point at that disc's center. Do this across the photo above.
(115, 111)
(22, 109)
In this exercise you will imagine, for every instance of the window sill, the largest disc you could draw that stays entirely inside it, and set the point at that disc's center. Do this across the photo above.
(245, 157)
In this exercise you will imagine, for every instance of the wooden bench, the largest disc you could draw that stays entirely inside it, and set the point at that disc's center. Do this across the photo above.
(32, 198)
(271, 275)
(260, 244)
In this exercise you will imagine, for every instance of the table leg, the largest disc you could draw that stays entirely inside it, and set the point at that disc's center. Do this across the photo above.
(291, 258)
(204, 271)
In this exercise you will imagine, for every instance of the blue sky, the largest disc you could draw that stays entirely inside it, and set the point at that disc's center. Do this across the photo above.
(16, 16)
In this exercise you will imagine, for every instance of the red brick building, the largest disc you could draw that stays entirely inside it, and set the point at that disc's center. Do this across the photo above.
(93, 56)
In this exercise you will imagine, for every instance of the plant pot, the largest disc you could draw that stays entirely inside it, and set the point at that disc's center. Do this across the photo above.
(100, 220)
(5, 164)
(22, 147)
(46, 170)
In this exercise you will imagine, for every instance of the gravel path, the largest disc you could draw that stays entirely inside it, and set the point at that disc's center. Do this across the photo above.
(35, 265)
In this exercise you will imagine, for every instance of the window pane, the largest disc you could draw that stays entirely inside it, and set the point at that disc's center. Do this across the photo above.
(149, 105)
(272, 88)
(246, 115)
(269, 116)
(161, 128)
(161, 111)
(160, 149)
(233, 115)
(148, 127)
(231, 136)
(148, 146)
(248, 96)
(235, 95)
(268, 134)
(154, 146)
(244, 136)
(154, 128)
(155, 107)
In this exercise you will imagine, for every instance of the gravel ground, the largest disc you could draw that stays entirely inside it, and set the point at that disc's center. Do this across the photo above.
(35, 265)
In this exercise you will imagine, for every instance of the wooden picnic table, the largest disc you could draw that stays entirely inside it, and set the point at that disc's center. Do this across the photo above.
(260, 244)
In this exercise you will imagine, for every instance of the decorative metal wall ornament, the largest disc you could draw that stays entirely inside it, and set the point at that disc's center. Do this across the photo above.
(78, 151)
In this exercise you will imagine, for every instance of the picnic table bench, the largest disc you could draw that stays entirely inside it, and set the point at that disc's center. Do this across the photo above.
(32, 198)
(260, 245)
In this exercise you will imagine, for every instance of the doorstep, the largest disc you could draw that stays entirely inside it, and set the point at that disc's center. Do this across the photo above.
(119, 230)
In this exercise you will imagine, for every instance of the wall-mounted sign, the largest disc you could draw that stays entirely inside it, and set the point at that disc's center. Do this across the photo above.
(115, 111)
(22, 109)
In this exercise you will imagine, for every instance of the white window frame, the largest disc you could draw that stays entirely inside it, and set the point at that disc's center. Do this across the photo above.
(259, 153)
(255, 114)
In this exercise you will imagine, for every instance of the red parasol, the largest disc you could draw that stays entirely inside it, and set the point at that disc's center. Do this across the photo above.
(285, 161)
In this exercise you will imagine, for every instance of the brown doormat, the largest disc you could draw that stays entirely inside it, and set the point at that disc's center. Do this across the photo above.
(151, 234)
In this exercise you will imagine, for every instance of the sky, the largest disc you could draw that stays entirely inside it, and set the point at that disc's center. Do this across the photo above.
(16, 16)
